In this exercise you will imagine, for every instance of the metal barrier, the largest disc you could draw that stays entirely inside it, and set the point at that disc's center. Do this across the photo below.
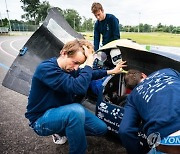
(4, 30)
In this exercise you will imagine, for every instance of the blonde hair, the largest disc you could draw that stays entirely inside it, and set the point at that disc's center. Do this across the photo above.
(72, 47)
(96, 7)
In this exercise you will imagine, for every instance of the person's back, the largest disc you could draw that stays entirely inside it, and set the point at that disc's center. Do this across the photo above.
(157, 100)
(106, 25)
(156, 103)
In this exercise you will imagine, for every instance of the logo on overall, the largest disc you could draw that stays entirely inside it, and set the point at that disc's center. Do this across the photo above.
(115, 112)
(107, 27)
(103, 107)
(154, 140)
(100, 115)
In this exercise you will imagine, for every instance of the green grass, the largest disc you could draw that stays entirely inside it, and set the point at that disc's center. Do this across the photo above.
(162, 39)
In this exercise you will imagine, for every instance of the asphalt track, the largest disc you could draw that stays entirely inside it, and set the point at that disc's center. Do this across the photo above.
(15, 135)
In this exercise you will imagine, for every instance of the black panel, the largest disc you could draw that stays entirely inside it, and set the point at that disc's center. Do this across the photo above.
(41, 45)
(147, 62)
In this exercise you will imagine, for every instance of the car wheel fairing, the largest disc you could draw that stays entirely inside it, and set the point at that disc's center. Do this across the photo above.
(111, 101)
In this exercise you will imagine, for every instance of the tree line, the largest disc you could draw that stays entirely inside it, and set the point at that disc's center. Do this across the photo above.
(36, 12)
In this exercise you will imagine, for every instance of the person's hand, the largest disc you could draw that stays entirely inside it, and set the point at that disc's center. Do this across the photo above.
(118, 69)
(89, 51)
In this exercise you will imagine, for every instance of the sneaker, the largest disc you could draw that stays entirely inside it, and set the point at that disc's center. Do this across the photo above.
(59, 139)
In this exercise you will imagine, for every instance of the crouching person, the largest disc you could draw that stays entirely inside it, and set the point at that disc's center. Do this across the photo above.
(153, 107)
(52, 105)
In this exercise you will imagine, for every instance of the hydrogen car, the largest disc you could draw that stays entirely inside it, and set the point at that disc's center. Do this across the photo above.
(108, 103)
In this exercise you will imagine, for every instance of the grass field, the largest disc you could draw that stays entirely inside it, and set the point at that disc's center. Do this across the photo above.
(162, 39)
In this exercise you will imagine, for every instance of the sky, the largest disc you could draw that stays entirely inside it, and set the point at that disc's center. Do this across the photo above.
(129, 12)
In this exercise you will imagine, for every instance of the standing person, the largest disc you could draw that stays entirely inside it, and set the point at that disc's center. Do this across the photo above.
(106, 25)
(153, 107)
(52, 106)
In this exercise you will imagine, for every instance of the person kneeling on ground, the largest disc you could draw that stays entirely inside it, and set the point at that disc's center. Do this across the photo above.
(153, 107)
(52, 105)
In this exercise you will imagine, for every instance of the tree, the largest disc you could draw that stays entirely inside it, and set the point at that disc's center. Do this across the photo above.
(87, 25)
(159, 25)
(42, 11)
(31, 9)
(171, 27)
(147, 28)
(73, 18)
(141, 27)
(176, 30)
(4, 22)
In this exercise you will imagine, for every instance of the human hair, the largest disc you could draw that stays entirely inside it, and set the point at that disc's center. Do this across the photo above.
(96, 7)
(72, 47)
(133, 78)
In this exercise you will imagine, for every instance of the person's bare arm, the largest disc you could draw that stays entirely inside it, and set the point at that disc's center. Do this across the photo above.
(118, 69)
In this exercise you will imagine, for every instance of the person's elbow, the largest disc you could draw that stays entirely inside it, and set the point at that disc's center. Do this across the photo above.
(117, 36)
(80, 90)
(123, 132)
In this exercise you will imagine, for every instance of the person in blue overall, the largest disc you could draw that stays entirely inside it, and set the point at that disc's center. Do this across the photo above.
(106, 25)
(53, 107)
(153, 107)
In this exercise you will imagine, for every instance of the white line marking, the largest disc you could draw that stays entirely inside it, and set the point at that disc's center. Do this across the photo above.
(4, 50)
(11, 45)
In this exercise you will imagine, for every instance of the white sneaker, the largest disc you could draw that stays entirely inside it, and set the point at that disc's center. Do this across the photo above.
(59, 139)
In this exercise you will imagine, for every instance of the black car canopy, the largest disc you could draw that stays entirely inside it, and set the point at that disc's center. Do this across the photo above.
(46, 42)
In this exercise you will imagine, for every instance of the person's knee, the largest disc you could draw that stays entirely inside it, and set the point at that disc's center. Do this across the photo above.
(103, 128)
(76, 112)
(123, 133)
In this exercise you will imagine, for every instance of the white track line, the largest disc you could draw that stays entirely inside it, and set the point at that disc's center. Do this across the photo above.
(4, 50)
(11, 45)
